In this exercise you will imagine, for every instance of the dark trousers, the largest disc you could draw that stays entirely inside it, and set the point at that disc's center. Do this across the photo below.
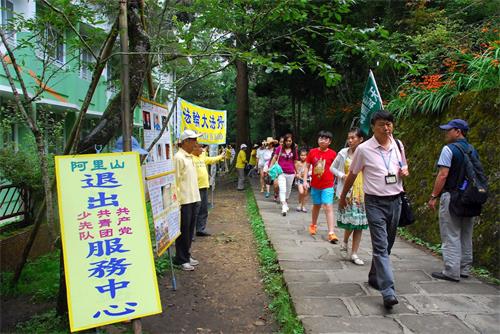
(382, 213)
(188, 223)
(201, 219)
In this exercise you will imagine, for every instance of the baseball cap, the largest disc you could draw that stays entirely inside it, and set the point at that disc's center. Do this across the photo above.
(455, 124)
(243, 146)
(189, 134)
(135, 146)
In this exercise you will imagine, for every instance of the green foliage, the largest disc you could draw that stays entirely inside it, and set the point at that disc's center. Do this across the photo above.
(39, 279)
(274, 284)
(45, 323)
(13, 167)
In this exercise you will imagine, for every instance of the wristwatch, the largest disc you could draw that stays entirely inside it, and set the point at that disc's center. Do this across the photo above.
(434, 196)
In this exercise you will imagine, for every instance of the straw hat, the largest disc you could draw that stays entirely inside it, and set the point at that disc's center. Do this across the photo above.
(271, 140)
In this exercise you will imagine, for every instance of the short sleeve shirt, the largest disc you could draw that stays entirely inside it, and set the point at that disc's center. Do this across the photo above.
(371, 158)
(445, 157)
(286, 159)
(320, 162)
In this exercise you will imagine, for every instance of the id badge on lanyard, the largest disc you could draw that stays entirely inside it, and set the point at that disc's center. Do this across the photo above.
(390, 178)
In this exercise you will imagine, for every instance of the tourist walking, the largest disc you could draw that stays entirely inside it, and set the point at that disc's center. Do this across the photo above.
(456, 231)
(241, 162)
(286, 156)
(353, 218)
(319, 160)
(264, 160)
(383, 168)
(299, 182)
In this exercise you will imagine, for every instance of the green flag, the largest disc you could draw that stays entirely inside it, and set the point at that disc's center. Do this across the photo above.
(372, 102)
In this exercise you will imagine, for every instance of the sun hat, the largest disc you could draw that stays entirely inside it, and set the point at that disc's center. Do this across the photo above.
(135, 146)
(189, 134)
(243, 146)
(271, 140)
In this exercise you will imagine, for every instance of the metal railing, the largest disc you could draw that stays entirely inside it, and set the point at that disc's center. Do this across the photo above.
(14, 206)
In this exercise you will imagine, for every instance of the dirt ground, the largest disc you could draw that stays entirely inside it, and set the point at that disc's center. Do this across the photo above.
(223, 295)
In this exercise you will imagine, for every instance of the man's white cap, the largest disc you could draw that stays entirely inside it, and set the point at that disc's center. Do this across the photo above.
(187, 134)
(243, 146)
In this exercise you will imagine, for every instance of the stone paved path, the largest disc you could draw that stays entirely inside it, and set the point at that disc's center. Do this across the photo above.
(332, 295)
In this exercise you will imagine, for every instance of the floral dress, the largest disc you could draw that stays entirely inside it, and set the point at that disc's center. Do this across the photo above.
(353, 217)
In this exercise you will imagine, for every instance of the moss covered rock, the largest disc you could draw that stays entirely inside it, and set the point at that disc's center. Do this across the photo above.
(424, 141)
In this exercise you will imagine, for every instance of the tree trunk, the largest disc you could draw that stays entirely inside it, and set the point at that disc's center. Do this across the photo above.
(242, 108)
(294, 117)
(110, 123)
(299, 123)
(273, 119)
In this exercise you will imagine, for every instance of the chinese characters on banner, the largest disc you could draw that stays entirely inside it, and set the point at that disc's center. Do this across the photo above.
(210, 123)
(109, 267)
(160, 176)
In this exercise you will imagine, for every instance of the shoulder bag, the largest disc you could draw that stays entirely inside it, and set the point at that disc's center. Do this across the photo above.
(275, 169)
(407, 217)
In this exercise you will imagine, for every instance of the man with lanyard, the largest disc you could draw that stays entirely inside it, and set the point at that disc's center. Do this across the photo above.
(456, 232)
(383, 167)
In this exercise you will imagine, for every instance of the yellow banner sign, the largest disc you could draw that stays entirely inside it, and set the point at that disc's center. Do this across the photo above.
(108, 260)
(210, 123)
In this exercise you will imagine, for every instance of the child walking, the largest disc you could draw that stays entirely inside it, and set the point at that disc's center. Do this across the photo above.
(303, 191)
(353, 218)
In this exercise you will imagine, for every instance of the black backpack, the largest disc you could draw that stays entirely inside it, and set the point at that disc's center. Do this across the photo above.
(472, 190)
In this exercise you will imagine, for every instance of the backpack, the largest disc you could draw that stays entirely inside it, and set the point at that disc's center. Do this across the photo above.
(472, 192)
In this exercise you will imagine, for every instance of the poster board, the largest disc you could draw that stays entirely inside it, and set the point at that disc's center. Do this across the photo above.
(109, 267)
(160, 176)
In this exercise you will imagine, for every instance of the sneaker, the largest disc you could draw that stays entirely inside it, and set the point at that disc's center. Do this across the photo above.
(187, 267)
(193, 262)
(332, 238)
(343, 250)
(284, 209)
(299, 209)
(312, 229)
(304, 210)
(266, 195)
(356, 260)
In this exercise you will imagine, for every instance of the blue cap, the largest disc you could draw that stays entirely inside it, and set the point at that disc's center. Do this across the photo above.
(455, 124)
(135, 146)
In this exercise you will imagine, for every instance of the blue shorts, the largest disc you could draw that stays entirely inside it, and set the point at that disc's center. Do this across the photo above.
(322, 196)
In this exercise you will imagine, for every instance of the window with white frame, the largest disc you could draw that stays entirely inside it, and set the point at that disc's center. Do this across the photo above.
(54, 44)
(86, 62)
(7, 13)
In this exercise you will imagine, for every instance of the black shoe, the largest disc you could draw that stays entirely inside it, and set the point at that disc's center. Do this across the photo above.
(373, 284)
(390, 301)
(464, 276)
(442, 276)
(203, 234)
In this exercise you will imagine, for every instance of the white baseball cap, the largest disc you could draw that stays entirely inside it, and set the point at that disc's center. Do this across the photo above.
(187, 134)
(243, 146)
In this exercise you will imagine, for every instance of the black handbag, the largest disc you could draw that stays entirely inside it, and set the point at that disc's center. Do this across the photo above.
(407, 217)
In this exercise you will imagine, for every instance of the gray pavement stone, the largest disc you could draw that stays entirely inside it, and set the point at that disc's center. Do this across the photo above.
(297, 276)
(484, 323)
(310, 265)
(438, 324)
(351, 325)
(449, 304)
(322, 306)
(493, 302)
(458, 288)
(405, 281)
(373, 305)
(325, 289)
